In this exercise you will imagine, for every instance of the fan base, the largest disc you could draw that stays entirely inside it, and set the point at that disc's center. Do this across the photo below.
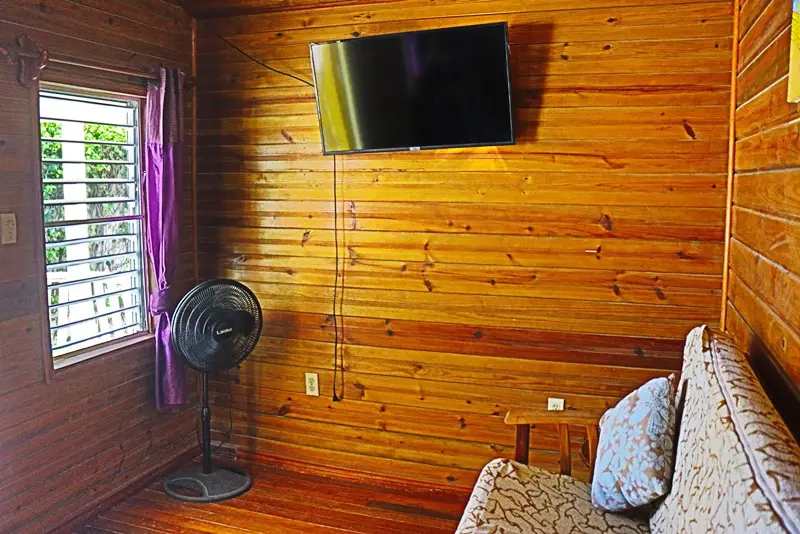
(191, 484)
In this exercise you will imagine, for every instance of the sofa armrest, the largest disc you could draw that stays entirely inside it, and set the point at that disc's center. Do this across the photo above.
(523, 419)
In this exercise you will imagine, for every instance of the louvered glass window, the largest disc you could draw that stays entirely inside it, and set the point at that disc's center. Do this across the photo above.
(92, 219)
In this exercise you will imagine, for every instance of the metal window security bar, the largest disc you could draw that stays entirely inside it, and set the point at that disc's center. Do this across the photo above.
(92, 218)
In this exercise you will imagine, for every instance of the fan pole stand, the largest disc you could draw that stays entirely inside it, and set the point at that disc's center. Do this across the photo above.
(206, 483)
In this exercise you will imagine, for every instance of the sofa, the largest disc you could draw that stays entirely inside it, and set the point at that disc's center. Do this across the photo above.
(737, 467)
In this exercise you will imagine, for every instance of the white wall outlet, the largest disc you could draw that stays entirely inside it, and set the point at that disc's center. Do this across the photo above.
(555, 404)
(8, 228)
(312, 384)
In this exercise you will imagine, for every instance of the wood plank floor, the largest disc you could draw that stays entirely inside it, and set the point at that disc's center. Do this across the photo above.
(288, 501)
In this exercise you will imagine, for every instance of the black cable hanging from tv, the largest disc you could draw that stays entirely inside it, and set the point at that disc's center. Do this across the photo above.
(336, 397)
(337, 345)
(256, 60)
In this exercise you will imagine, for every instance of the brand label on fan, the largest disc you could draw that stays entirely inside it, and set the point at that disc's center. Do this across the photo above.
(224, 331)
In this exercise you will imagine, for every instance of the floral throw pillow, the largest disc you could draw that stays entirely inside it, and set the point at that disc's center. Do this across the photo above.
(634, 453)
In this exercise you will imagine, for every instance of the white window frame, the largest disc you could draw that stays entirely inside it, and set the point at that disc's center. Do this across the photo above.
(141, 328)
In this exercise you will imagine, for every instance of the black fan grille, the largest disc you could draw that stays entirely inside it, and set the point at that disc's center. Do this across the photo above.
(208, 309)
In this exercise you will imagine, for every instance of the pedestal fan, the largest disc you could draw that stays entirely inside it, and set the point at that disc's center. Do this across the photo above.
(214, 328)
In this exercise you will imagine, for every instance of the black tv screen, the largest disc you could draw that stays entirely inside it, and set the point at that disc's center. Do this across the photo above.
(408, 91)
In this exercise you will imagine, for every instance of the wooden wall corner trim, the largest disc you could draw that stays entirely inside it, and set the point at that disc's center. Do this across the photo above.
(196, 247)
(39, 234)
(731, 164)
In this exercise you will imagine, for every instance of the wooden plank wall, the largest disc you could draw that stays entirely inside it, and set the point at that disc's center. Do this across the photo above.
(764, 288)
(570, 265)
(68, 445)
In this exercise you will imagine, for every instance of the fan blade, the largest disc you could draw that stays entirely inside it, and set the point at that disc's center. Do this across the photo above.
(205, 344)
(241, 320)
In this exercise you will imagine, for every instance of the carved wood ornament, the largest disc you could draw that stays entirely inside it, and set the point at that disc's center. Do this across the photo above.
(29, 58)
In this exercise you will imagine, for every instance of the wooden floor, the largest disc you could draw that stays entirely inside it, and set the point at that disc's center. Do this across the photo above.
(289, 501)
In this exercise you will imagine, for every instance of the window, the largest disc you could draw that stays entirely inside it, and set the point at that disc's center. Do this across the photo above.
(92, 219)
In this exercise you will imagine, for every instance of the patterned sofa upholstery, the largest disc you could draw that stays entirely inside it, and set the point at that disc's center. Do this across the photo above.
(737, 468)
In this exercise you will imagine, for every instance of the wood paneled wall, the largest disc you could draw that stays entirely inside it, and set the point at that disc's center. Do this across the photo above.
(570, 265)
(67, 445)
(764, 288)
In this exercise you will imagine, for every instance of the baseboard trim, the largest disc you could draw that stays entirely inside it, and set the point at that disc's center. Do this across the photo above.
(350, 475)
(139, 484)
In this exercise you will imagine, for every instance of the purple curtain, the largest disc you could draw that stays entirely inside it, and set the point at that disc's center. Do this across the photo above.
(161, 187)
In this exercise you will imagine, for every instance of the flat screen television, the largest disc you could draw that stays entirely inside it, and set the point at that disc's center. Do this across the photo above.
(417, 90)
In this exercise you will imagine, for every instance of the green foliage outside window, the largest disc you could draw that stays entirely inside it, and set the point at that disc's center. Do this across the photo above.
(53, 171)
(53, 150)
(108, 171)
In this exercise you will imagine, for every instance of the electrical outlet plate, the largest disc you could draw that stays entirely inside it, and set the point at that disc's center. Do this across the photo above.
(8, 228)
(555, 404)
(312, 384)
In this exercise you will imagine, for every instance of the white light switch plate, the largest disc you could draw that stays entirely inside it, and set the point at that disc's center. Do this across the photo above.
(8, 228)
(555, 404)
(312, 384)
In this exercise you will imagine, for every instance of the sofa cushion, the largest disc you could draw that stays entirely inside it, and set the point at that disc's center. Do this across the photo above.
(738, 467)
(513, 498)
(634, 454)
